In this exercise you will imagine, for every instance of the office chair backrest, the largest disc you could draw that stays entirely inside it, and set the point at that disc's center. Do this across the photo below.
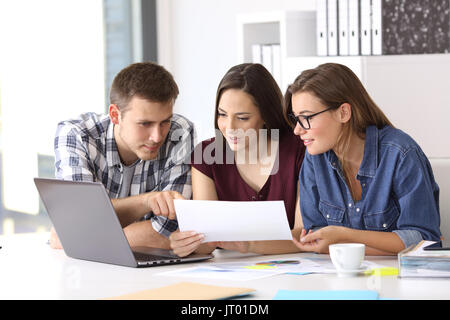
(441, 171)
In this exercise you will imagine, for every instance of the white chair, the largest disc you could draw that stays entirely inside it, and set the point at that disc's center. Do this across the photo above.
(441, 171)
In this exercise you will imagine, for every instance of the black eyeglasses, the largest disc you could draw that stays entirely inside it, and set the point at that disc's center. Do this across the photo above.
(303, 121)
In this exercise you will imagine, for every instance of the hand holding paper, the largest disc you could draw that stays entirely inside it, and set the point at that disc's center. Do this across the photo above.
(234, 220)
(184, 243)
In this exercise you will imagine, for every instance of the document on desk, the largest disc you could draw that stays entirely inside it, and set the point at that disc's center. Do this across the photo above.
(234, 220)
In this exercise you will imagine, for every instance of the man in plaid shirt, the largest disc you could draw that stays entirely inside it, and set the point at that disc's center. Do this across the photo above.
(139, 151)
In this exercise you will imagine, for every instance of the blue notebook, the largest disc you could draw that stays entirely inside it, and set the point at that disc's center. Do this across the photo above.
(326, 295)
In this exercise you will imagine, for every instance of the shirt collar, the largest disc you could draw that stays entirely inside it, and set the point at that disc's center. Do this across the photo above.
(369, 163)
(112, 153)
(370, 158)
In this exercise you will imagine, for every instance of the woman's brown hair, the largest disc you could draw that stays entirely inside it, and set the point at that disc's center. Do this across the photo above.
(334, 84)
(255, 80)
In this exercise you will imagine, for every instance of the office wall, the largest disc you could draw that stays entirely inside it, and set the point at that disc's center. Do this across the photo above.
(198, 43)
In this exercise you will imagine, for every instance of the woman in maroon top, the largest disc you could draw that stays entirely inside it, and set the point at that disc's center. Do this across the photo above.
(255, 156)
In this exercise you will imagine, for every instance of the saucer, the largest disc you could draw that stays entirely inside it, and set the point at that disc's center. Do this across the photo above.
(351, 272)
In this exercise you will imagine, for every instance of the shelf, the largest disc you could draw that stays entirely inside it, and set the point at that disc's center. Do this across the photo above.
(412, 90)
(291, 30)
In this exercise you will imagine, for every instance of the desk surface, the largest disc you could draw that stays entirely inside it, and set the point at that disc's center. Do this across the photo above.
(30, 269)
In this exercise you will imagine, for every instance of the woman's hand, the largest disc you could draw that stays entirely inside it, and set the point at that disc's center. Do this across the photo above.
(186, 242)
(319, 240)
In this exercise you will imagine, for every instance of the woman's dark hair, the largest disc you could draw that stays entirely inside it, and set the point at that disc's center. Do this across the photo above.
(256, 81)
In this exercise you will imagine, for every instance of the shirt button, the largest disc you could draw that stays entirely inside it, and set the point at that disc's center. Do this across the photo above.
(357, 209)
(253, 198)
(363, 184)
(349, 205)
(328, 216)
(384, 225)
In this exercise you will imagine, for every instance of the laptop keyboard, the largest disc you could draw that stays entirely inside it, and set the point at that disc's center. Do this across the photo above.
(146, 257)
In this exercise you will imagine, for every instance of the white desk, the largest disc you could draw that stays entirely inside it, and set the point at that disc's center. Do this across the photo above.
(30, 269)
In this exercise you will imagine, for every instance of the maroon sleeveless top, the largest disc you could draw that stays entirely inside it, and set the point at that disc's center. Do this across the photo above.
(280, 185)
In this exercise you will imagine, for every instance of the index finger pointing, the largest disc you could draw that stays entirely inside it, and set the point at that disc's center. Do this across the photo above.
(171, 207)
(177, 195)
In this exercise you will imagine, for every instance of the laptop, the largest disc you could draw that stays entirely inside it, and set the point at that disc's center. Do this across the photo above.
(89, 229)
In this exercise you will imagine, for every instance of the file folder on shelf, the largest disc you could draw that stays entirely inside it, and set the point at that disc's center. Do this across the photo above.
(343, 28)
(377, 33)
(267, 56)
(332, 28)
(353, 28)
(276, 63)
(322, 31)
(256, 53)
(366, 26)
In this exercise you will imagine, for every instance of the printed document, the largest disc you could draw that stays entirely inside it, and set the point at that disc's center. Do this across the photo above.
(234, 220)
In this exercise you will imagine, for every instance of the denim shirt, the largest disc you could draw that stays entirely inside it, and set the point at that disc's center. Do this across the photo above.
(399, 193)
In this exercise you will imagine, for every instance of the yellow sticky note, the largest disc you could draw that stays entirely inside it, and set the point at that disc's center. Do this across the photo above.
(388, 271)
(259, 267)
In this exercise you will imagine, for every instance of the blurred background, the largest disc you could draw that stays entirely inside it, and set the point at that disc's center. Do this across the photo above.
(58, 59)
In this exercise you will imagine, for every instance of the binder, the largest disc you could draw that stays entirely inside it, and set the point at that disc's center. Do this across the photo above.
(266, 56)
(343, 27)
(414, 262)
(322, 30)
(256, 53)
(366, 26)
(377, 33)
(332, 28)
(276, 63)
(353, 28)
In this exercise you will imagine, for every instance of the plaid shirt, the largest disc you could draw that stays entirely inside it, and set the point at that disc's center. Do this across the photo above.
(85, 150)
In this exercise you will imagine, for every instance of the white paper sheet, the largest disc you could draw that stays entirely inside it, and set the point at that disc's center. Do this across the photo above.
(234, 220)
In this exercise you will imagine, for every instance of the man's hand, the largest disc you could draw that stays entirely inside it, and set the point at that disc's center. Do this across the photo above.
(161, 203)
(54, 240)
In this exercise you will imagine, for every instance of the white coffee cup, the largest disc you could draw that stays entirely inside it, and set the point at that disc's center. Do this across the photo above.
(347, 257)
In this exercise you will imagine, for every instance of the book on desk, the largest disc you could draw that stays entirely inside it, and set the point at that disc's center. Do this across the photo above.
(415, 262)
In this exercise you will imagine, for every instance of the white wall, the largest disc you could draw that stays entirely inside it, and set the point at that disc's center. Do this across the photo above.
(197, 43)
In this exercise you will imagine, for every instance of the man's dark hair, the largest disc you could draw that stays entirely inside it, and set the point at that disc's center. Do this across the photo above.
(147, 80)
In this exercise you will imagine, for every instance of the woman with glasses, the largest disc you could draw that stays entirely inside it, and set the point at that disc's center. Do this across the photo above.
(362, 180)
(254, 157)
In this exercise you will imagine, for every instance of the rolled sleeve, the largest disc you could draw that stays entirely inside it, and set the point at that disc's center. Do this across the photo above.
(418, 198)
(71, 156)
(163, 225)
(409, 237)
